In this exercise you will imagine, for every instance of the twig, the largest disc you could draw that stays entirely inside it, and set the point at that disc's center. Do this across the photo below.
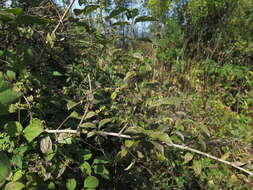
(168, 145)
(63, 16)
(61, 131)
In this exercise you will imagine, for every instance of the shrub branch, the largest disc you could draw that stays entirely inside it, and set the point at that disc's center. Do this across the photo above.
(168, 145)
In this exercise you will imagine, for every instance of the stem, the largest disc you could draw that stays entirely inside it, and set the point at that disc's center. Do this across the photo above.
(168, 145)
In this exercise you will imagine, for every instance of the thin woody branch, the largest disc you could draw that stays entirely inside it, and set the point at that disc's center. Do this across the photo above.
(168, 145)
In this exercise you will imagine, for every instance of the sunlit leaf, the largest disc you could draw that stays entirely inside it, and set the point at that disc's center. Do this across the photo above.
(14, 186)
(34, 129)
(197, 167)
(90, 115)
(91, 182)
(86, 168)
(71, 184)
(103, 122)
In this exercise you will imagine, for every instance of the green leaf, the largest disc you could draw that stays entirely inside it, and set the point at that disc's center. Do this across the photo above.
(28, 19)
(86, 154)
(129, 143)
(86, 168)
(5, 16)
(15, 11)
(90, 115)
(100, 161)
(103, 122)
(56, 74)
(13, 128)
(88, 125)
(91, 182)
(14, 186)
(71, 104)
(120, 23)
(157, 135)
(101, 170)
(17, 175)
(1, 53)
(145, 19)
(197, 167)
(5, 167)
(132, 13)
(87, 10)
(175, 101)
(75, 115)
(11, 75)
(71, 184)
(8, 93)
(117, 12)
(188, 157)
(34, 129)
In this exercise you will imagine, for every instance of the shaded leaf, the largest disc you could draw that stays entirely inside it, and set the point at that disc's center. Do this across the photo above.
(145, 19)
(87, 10)
(5, 167)
(13, 128)
(117, 12)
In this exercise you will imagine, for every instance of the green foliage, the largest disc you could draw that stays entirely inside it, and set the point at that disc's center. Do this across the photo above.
(79, 112)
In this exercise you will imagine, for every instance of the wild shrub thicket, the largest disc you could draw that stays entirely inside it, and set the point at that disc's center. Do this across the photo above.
(79, 112)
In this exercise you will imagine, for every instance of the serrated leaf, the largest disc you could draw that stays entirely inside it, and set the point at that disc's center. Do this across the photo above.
(103, 122)
(91, 182)
(71, 184)
(34, 129)
(145, 19)
(5, 167)
(14, 185)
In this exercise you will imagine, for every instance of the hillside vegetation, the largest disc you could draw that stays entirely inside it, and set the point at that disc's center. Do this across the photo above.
(126, 95)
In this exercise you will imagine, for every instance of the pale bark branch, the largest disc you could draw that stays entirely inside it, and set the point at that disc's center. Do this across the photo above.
(63, 16)
(168, 145)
